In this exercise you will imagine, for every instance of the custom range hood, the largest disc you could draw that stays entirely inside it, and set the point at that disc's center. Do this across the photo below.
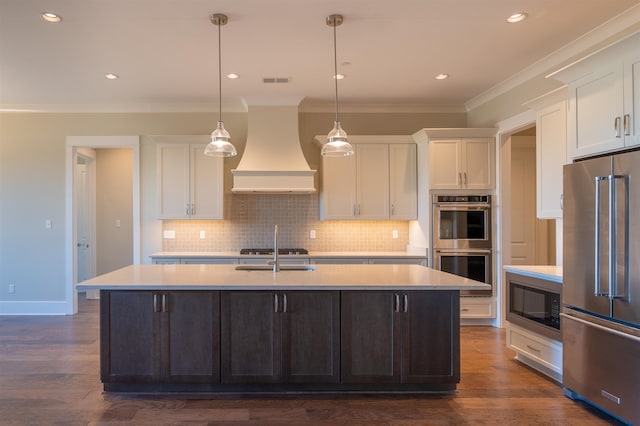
(273, 162)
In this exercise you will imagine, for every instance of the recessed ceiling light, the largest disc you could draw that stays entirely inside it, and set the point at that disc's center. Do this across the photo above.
(442, 76)
(51, 17)
(111, 76)
(338, 76)
(517, 17)
(233, 76)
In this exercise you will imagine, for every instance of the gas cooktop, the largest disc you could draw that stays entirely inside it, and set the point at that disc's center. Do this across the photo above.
(269, 251)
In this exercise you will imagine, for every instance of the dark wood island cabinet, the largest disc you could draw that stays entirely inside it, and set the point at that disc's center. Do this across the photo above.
(213, 329)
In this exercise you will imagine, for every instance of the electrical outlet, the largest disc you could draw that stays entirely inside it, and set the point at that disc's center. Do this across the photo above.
(169, 234)
(312, 234)
(48, 224)
(394, 234)
(203, 235)
(117, 223)
(12, 288)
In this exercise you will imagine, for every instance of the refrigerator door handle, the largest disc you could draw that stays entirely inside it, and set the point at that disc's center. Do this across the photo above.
(596, 270)
(614, 292)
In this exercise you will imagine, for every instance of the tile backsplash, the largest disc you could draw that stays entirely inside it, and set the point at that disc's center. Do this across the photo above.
(250, 220)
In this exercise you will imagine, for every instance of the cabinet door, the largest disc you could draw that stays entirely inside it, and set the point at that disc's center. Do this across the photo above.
(370, 327)
(444, 164)
(129, 335)
(372, 165)
(632, 99)
(551, 155)
(206, 184)
(250, 337)
(403, 182)
(595, 102)
(311, 336)
(477, 159)
(191, 337)
(338, 199)
(430, 337)
(173, 181)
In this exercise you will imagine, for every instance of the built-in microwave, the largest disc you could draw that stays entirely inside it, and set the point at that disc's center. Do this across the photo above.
(534, 304)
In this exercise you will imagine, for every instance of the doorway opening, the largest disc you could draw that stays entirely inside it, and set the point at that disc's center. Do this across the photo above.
(84, 155)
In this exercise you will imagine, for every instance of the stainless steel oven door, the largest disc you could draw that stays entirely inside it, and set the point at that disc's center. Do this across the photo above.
(472, 264)
(462, 226)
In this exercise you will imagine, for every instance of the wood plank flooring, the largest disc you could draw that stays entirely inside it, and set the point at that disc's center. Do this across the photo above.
(49, 375)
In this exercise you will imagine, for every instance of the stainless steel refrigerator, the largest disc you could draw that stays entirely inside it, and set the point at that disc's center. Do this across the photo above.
(601, 283)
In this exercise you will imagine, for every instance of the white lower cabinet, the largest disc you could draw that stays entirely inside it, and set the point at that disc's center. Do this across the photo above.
(477, 308)
(536, 351)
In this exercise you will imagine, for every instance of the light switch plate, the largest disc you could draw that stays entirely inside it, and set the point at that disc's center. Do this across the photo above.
(203, 235)
(394, 234)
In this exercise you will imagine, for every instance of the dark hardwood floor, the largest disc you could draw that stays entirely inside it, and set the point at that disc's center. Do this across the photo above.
(49, 374)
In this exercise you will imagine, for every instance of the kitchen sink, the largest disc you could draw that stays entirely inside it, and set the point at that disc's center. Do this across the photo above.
(270, 268)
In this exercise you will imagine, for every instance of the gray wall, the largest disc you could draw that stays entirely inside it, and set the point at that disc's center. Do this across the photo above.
(32, 178)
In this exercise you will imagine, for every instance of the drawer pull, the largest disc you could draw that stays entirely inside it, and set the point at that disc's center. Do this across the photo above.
(533, 349)
(464, 310)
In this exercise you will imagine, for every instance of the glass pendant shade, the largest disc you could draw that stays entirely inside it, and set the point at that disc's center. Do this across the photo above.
(220, 145)
(337, 145)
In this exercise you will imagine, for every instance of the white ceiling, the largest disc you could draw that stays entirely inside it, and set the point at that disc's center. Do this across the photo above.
(165, 51)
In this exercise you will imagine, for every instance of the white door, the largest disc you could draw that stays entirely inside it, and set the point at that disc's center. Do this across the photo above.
(523, 201)
(85, 219)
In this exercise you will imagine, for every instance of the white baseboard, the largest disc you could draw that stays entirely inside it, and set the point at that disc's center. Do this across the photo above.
(44, 307)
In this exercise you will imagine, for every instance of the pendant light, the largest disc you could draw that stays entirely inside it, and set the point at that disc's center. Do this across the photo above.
(336, 145)
(220, 145)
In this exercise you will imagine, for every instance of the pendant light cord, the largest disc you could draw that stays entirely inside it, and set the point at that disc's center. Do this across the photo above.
(219, 75)
(335, 64)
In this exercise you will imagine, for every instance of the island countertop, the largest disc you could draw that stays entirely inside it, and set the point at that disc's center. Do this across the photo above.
(323, 277)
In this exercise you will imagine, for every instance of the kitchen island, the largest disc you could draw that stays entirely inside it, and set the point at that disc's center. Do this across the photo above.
(333, 329)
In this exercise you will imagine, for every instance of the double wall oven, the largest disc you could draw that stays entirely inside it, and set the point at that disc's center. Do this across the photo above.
(461, 238)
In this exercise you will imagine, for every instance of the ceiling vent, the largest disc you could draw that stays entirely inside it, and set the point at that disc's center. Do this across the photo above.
(275, 80)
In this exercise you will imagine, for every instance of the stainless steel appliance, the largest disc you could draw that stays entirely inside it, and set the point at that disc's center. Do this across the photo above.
(534, 304)
(461, 238)
(601, 283)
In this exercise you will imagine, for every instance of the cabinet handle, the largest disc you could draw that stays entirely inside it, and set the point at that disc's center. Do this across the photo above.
(616, 125)
(393, 209)
(155, 303)
(627, 125)
(406, 303)
(464, 310)
(275, 303)
(459, 178)
(561, 201)
(397, 302)
(355, 211)
(465, 178)
(533, 349)
(284, 303)
(187, 210)
(358, 209)
(164, 302)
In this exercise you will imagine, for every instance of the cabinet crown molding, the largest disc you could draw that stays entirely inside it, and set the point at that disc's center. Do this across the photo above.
(387, 139)
(424, 135)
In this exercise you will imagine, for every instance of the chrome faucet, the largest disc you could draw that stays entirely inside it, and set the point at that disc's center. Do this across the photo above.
(276, 260)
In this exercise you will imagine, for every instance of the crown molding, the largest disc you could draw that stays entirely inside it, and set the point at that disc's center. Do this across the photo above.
(617, 28)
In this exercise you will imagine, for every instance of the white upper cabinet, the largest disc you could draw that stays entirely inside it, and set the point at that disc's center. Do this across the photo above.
(378, 182)
(604, 99)
(403, 182)
(461, 163)
(551, 151)
(190, 184)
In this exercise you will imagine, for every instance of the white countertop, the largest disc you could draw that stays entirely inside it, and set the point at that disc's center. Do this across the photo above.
(219, 254)
(544, 272)
(324, 277)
